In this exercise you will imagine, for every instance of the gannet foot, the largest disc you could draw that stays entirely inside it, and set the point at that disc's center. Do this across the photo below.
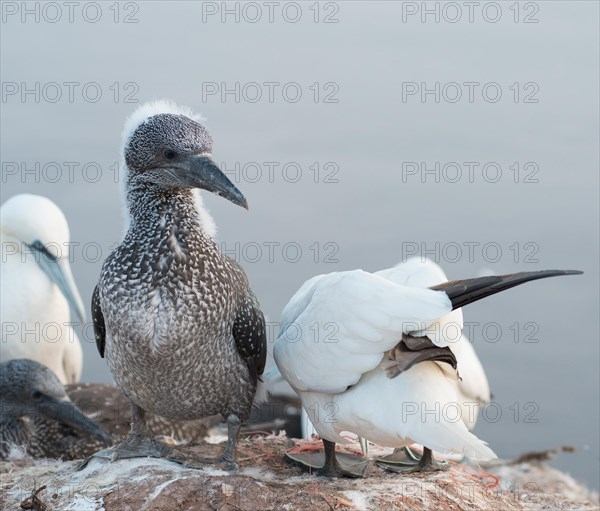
(134, 446)
(329, 463)
(405, 461)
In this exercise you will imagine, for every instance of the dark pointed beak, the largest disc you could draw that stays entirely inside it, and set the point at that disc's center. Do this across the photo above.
(59, 272)
(67, 413)
(200, 171)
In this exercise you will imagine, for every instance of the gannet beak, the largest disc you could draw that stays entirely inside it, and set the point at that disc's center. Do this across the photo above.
(200, 171)
(67, 413)
(59, 272)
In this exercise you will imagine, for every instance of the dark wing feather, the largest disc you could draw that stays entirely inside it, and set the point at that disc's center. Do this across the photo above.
(250, 337)
(98, 320)
(464, 292)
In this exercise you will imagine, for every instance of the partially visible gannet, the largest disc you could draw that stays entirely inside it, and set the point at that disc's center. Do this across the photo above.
(37, 414)
(37, 287)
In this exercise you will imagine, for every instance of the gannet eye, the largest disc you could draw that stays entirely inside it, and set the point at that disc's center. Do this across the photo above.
(169, 154)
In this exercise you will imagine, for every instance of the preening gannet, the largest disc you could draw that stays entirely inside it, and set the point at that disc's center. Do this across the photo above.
(372, 357)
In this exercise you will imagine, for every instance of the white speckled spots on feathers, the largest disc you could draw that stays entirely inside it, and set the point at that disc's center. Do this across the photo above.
(170, 299)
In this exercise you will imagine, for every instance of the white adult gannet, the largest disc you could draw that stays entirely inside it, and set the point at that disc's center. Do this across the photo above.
(472, 388)
(374, 358)
(37, 287)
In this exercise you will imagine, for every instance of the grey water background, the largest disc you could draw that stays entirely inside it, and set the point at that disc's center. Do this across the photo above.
(546, 391)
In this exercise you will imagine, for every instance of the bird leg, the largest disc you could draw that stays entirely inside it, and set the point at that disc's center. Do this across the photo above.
(331, 467)
(229, 457)
(138, 420)
(329, 463)
(138, 443)
(428, 463)
(404, 461)
(227, 460)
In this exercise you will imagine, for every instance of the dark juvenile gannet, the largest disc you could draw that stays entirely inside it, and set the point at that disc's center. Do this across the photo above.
(176, 319)
(372, 357)
(37, 287)
(36, 412)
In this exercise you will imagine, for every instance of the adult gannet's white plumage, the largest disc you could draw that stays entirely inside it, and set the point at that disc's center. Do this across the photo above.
(37, 287)
(373, 357)
(472, 388)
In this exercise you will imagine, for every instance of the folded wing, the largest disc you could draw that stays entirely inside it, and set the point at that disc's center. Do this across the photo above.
(338, 326)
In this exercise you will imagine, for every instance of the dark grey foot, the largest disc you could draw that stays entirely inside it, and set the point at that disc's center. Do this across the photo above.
(134, 446)
(330, 463)
(228, 463)
(405, 461)
(354, 472)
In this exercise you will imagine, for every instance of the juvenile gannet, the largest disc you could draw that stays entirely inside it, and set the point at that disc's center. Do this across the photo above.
(176, 319)
(37, 414)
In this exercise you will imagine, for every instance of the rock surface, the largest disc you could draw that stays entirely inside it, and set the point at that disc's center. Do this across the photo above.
(266, 482)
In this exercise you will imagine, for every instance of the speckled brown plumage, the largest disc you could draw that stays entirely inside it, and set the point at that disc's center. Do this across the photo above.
(171, 302)
(181, 330)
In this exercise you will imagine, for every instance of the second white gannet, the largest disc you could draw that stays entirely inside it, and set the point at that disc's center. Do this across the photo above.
(37, 287)
(374, 358)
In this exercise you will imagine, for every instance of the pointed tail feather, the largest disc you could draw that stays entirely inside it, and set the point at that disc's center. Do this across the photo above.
(478, 450)
(457, 438)
(464, 292)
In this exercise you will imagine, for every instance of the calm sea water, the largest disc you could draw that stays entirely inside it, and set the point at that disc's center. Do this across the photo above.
(344, 175)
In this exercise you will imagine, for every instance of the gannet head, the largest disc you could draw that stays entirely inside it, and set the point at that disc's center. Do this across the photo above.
(166, 146)
(33, 227)
(28, 388)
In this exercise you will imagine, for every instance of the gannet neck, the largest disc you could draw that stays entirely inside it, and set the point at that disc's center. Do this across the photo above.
(150, 205)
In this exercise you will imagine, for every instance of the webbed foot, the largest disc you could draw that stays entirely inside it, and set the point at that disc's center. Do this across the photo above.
(405, 461)
(134, 446)
(329, 463)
